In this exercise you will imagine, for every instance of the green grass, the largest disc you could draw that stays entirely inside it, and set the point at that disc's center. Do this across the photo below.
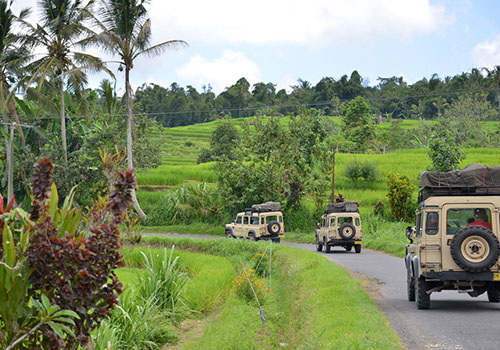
(197, 228)
(314, 305)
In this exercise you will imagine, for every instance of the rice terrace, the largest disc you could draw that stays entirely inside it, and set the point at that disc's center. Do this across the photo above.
(285, 175)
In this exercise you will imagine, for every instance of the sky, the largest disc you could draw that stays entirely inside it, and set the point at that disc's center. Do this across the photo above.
(280, 41)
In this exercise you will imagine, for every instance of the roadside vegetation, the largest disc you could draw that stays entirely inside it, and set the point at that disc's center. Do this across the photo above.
(214, 308)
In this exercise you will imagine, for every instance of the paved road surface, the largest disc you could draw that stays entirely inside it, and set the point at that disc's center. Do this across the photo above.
(454, 322)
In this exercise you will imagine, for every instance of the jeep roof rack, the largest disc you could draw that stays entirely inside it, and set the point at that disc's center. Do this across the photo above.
(263, 208)
(342, 207)
(431, 191)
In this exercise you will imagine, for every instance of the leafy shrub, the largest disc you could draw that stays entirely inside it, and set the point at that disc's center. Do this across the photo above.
(59, 269)
(357, 170)
(400, 193)
(205, 156)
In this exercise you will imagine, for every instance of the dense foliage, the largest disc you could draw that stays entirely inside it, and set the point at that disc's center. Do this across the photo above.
(50, 267)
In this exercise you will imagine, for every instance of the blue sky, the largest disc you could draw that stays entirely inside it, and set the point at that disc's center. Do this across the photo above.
(280, 41)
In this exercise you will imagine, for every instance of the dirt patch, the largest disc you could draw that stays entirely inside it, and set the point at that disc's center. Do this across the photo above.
(191, 330)
(371, 285)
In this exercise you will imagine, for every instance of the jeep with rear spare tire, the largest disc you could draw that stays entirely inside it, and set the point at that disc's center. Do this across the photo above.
(340, 226)
(260, 222)
(454, 244)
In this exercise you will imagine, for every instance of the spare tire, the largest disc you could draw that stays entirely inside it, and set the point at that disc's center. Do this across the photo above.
(274, 227)
(475, 249)
(347, 231)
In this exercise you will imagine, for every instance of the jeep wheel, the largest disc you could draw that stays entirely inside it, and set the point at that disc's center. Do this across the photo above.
(422, 298)
(229, 234)
(357, 248)
(348, 248)
(494, 296)
(410, 287)
(475, 249)
(274, 227)
(319, 245)
(327, 246)
(347, 231)
(251, 237)
(275, 240)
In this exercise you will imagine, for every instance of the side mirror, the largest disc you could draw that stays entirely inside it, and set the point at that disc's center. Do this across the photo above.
(409, 233)
(317, 225)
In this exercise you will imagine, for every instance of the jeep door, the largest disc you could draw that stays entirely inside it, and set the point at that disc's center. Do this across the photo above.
(457, 217)
(238, 231)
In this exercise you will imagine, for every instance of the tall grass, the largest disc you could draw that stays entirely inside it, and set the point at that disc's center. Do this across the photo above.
(163, 280)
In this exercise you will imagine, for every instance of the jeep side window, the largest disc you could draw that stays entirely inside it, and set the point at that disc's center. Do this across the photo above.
(254, 220)
(463, 217)
(357, 221)
(238, 219)
(262, 220)
(280, 218)
(332, 222)
(271, 218)
(245, 220)
(418, 229)
(432, 223)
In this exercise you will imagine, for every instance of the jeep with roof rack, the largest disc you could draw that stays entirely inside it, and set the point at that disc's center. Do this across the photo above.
(260, 222)
(340, 226)
(454, 244)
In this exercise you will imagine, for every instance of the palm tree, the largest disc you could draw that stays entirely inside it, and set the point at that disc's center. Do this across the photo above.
(126, 33)
(13, 56)
(62, 29)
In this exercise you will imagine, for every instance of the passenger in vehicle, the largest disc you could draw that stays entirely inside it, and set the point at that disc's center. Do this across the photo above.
(480, 218)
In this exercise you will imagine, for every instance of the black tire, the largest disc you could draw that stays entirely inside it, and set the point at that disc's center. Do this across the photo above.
(475, 249)
(348, 248)
(494, 296)
(357, 248)
(347, 231)
(274, 227)
(229, 233)
(275, 240)
(422, 298)
(252, 237)
(327, 246)
(319, 245)
(410, 287)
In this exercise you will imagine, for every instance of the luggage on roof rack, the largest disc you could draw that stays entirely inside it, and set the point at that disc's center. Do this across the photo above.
(264, 207)
(474, 179)
(342, 207)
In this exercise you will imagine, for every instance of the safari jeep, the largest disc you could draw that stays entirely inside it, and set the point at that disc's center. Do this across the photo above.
(261, 221)
(340, 226)
(454, 244)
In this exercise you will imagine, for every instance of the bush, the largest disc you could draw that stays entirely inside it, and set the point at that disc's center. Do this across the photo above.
(356, 171)
(55, 269)
(444, 152)
(205, 156)
(400, 193)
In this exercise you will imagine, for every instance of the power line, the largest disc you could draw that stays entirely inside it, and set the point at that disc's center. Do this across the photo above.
(250, 108)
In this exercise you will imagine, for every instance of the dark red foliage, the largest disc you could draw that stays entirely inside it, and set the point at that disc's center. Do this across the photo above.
(121, 197)
(77, 273)
(40, 185)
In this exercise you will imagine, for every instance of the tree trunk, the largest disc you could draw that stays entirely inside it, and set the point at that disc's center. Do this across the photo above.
(130, 163)
(63, 122)
(10, 161)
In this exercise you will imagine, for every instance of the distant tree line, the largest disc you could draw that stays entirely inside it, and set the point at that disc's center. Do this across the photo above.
(391, 97)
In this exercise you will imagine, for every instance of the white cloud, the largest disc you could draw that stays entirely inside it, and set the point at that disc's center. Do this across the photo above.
(314, 22)
(487, 53)
(220, 72)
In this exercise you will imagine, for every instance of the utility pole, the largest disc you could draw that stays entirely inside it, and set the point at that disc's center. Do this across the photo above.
(333, 176)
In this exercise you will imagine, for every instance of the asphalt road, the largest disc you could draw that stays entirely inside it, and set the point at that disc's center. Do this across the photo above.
(454, 321)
